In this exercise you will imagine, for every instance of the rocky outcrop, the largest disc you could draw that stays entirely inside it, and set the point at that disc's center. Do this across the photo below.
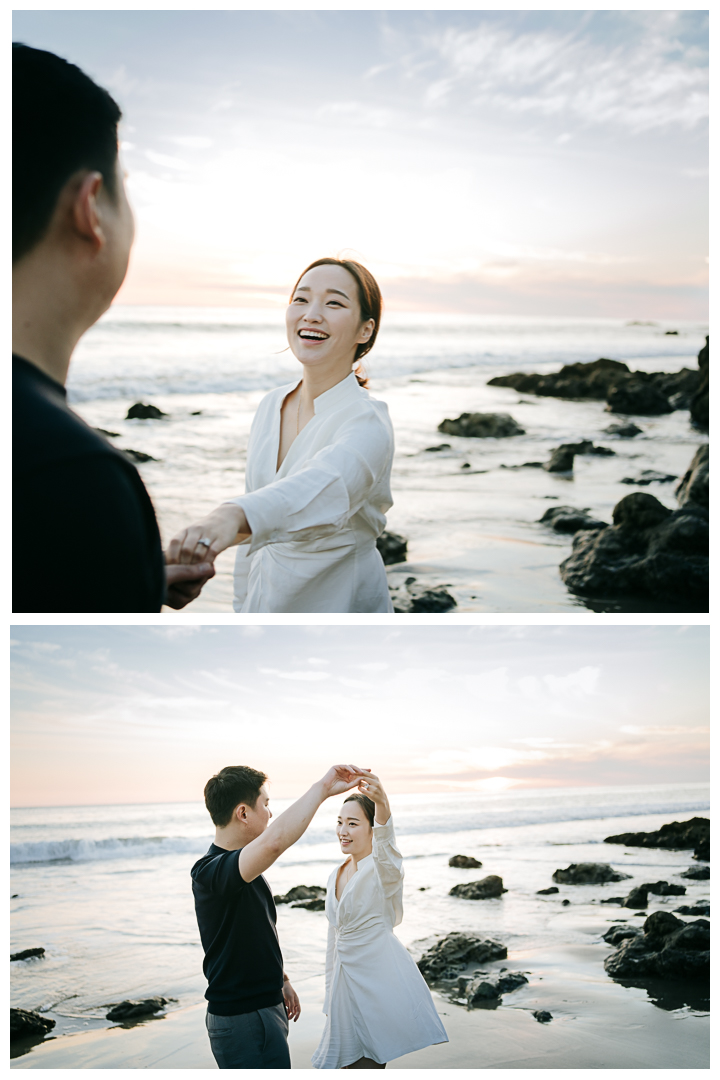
(27, 954)
(701, 908)
(301, 892)
(638, 397)
(649, 551)
(448, 958)
(310, 905)
(591, 380)
(480, 988)
(625, 431)
(542, 1016)
(562, 458)
(567, 519)
(137, 456)
(695, 484)
(667, 947)
(25, 1023)
(700, 402)
(586, 873)
(637, 898)
(675, 836)
(486, 889)
(697, 873)
(392, 547)
(548, 892)
(619, 933)
(649, 476)
(138, 411)
(465, 862)
(129, 1010)
(482, 426)
(414, 596)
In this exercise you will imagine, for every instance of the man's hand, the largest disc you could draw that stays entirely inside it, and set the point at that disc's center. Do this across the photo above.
(225, 526)
(185, 583)
(291, 1001)
(342, 778)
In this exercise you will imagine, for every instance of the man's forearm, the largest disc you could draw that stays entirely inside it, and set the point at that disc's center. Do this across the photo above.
(292, 823)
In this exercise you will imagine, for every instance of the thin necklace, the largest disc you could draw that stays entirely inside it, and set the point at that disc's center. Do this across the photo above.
(297, 424)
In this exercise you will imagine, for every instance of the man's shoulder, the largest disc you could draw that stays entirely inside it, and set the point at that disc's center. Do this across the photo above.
(217, 868)
(45, 428)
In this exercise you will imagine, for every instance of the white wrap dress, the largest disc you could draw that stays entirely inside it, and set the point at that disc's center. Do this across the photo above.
(316, 519)
(377, 1003)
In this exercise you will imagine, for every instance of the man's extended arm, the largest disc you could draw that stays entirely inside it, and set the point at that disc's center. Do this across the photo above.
(292, 823)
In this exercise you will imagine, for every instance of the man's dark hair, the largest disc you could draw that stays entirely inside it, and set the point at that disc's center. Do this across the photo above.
(62, 122)
(233, 785)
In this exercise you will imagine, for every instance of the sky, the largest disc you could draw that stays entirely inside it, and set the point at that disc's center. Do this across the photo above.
(484, 162)
(123, 714)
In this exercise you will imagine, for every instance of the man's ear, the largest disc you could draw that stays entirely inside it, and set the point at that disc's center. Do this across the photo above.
(84, 210)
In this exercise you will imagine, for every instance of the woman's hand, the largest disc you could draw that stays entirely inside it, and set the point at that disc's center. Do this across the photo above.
(342, 778)
(371, 786)
(223, 527)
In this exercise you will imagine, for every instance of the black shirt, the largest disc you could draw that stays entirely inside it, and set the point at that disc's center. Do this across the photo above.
(85, 537)
(243, 963)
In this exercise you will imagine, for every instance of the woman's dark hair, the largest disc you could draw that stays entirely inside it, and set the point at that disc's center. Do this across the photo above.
(367, 804)
(370, 302)
(233, 785)
(62, 122)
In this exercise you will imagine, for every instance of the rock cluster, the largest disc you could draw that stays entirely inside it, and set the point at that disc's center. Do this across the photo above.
(675, 836)
(701, 908)
(24, 1023)
(638, 897)
(448, 958)
(129, 1010)
(138, 411)
(588, 874)
(699, 403)
(414, 596)
(486, 889)
(482, 987)
(392, 547)
(465, 862)
(568, 519)
(482, 426)
(666, 947)
(27, 954)
(303, 896)
(629, 392)
(697, 873)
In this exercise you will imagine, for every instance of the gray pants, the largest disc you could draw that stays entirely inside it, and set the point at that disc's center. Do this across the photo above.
(255, 1040)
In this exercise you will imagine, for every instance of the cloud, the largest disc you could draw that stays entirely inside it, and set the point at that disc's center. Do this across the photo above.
(177, 633)
(578, 683)
(165, 160)
(300, 676)
(654, 729)
(317, 660)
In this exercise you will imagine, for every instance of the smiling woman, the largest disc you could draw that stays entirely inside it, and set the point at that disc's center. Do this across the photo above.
(318, 465)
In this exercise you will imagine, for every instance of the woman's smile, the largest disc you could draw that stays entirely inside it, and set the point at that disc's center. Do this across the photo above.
(307, 334)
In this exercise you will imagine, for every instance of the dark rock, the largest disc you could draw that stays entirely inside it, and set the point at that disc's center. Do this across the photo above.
(699, 404)
(679, 384)
(562, 459)
(415, 597)
(310, 905)
(465, 862)
(648, 551)
(25, 1023)
(588, 874)
(128, 1010)
(591, 380)
(466, 465)
(672, 332)
(668, 948)
(392, 547)
(637, 396)
(649, 476)
(614, 900)
(565, 903)
(197, 413)
(301, 892)
(661, 888)
(107, 434)
(618, 933)
(701, 908)
(566, 519)
(482, 426)
(14, 896)
(695, 484)
(137, 455)
(435, 449)
(637, 897)
(547, 892)
(675, 835)
(447, 958)
(702, 851)
(625, 431)
(542, 1016)
(27, 954)
(144, 412)
(697, 873)
(485, 988)
(490, 887)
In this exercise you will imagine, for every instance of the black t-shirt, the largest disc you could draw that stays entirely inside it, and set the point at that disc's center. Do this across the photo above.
(243, 963)
(85, 537)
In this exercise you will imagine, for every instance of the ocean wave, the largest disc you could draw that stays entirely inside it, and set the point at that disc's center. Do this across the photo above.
(129, 847)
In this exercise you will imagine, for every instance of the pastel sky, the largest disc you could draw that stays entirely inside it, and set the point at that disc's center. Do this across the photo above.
(509, 162)
(146, 714)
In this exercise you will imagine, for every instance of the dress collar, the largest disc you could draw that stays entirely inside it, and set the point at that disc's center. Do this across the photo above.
(348, 387)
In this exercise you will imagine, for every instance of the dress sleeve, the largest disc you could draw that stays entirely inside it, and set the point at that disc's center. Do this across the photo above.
(329, 966)
(327, 491)
(388, 866)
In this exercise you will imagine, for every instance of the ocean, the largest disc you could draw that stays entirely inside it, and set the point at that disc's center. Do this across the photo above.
(106, 889)
(471, 523)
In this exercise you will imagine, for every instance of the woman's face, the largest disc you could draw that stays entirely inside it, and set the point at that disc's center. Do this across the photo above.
(353, 830)
(324, 322)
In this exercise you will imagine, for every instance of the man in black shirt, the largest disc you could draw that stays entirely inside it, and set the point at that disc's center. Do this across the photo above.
(250, 999)
(85, 534)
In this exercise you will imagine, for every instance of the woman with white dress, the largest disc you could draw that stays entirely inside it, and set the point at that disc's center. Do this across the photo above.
(318, 465)
(377, 1004)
